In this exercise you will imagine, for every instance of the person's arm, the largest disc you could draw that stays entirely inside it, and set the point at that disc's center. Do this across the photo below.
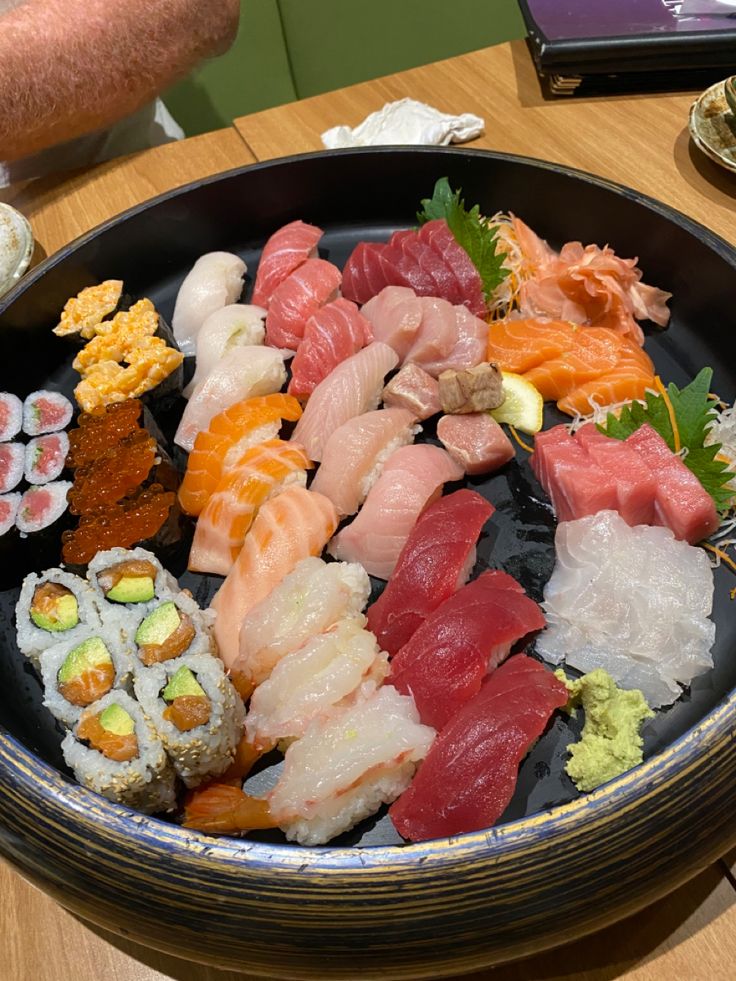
(68, 67)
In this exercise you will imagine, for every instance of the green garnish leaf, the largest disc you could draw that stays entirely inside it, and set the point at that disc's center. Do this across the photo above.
(475, 235)
(694, 415)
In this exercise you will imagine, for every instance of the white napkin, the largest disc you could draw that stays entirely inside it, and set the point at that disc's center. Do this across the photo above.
(406, 122)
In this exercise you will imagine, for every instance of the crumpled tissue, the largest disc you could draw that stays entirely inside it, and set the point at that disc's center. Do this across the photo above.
(406, 122)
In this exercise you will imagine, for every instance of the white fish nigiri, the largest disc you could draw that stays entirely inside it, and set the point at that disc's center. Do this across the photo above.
(355, 453)
(214, 280)
(332, 669)
(353, 387)
(344, 768)
(240, 374)
(236, 325)
(309, 600)
(412, 478)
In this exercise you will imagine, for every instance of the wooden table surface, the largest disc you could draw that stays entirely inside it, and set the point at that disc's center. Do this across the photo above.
(637, 140)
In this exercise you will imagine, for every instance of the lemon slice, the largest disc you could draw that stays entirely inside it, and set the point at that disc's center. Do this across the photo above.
(523, 406)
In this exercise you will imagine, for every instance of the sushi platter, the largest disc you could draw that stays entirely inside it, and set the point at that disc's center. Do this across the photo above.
(199, 706)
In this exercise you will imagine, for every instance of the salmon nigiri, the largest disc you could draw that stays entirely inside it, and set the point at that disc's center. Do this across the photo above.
(261, 473)
(290, 527)
(228, 435)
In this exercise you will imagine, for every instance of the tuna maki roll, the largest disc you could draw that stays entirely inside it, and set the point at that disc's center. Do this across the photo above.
(133, 578)
(77, 672)
(114, 751)
(9, 504)
(45, 457)
(174, 627)
(52, 607)
(41, 506)
(46, 412)
(196, 712)
(11, 416)
(12, 460)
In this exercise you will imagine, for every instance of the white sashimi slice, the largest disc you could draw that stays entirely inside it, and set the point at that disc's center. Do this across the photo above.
(395, 315)
(240, 374)
(331, 670)
(411, 479)
(355, 453)
(214, 280)
(236, 325)
(352, 388)
(344, 768)
(634, 601)
(306, 602)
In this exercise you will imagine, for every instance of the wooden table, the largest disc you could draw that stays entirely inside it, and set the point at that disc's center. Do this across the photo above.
(637, 140)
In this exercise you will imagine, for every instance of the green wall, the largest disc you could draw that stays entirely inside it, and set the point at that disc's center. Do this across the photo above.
(291, 49)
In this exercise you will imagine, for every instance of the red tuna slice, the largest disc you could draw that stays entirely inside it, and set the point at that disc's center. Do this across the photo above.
(432, 565)
(636, 484)
(576, 486)
(469, 775)
(307, 289)
(447, 658)
(681, 503)
(422, 260)
(363, 276)
(332, 334)
(399, 262)
(285, 251)
(437, 234)
(395, 315)
(475, 441)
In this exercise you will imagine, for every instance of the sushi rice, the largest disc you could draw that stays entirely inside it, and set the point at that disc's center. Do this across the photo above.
(33, 640)
(146, 783)
(207, 750)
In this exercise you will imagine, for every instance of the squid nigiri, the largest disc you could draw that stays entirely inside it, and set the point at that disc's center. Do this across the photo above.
(262, 472)
(242, 374)
(228, 436)
(236, 325)
(411, 479)
(214, 280)
(287, 529)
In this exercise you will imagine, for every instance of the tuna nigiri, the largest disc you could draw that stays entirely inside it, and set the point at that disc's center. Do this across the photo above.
(292, 526)
(241, 374)
(214, 280)
(236, 325)
(352, 388)
(285, 251)
(229, 434)
(435, 561)
(411, 478)
(309, 287)
(469, 775)
(355, 453)
(262, 472)
(332, 334)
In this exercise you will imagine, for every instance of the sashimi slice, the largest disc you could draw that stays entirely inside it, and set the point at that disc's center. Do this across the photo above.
(285, 251)
(630, 378)
(309, 287)
(636, 484)
(594, 352)
(437, 334)
(438, 236)
(411, 479)
(262, 472)
(469, 775)
(355, 452)
(332, 334)
(332, 670)
(434, 562)
(573, 481)
(445, 661)
(475, 441)
(522, 344)
(236, 325)
(395, 315)
(290, 527)
(241, 374)
(352, 388)
(413, 389)
(226, 438)
(306, 602)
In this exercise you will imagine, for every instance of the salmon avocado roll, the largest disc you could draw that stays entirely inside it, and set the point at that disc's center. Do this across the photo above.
(129, 577)
(114, 751)
(172, 628)
(53, 606)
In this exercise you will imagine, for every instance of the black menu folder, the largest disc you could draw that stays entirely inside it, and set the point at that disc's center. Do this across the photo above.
(583, 45)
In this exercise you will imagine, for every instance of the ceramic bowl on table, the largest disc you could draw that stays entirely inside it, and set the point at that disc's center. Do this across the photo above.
(558, 865)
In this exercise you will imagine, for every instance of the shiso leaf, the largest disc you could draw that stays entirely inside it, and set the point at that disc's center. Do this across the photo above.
(475, 235)
(694, 414)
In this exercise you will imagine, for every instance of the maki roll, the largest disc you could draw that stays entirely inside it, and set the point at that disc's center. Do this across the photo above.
(196, 712)
(9, 504)
(46, 412)
(41, 506)
(12, 461)
(175, 626)
(77, 672)
(45, 457)
(52, 607)
(133, 578)
(114, 751)
(11, 416)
